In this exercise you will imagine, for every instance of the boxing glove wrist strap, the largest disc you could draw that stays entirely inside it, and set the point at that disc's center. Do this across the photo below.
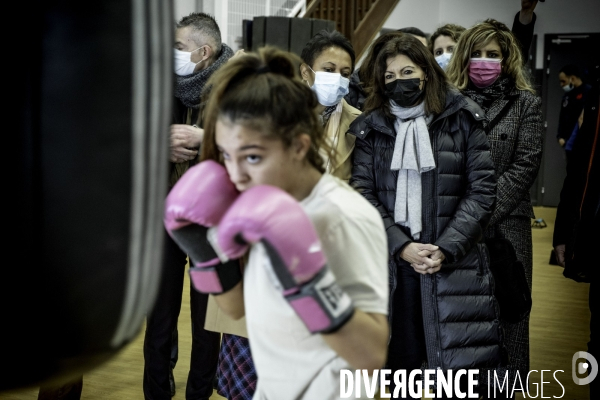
(320, 302)
(209, 273)
(216, 279)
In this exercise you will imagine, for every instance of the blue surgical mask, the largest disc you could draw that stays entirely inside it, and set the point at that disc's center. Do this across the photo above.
(330, 87)
(568, 87)
(443, 60)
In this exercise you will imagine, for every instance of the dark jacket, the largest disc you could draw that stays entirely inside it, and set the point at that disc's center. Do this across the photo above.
(524, 34)
(516, 143)
(461, 318)
(190, 116)
(570, 109)
(578, 213)
(356, 95)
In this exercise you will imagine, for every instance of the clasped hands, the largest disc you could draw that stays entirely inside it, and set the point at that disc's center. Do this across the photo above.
(184, 142)
(423, 257)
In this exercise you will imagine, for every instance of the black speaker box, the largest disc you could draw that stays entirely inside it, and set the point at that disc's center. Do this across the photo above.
(258, 32)
(277, 32)
(247, 34)
(301, 32)
(319, 24)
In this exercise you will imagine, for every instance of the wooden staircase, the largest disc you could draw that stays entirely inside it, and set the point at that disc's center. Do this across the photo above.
(358, 20)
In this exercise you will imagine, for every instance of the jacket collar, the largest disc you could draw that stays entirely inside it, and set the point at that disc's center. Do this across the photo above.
(456, 101)
(377, 120)
(497, 106)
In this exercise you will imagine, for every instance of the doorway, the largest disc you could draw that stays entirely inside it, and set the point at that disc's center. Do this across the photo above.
(560, 50)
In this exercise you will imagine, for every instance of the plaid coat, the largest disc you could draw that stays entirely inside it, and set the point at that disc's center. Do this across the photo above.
(516, 144)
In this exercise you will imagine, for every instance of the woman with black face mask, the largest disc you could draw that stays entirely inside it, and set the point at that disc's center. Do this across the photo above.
(422, 158)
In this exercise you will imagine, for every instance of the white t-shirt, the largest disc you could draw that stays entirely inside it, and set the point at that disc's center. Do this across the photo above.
(292, 363)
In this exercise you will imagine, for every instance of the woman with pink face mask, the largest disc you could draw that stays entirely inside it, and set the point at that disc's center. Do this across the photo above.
(487, 67)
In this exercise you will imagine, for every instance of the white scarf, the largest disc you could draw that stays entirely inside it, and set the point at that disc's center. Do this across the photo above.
(412, 156)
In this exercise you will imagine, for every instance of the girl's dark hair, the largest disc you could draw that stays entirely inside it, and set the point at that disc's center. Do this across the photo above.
(365, 72)
(435, 87)
(324, 40)
(263, 91)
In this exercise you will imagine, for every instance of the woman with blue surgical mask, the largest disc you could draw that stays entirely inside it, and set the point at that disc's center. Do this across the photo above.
(328, 61)
(443, 41)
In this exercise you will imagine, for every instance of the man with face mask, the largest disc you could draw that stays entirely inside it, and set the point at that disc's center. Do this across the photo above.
(198, 53)
(570, 80)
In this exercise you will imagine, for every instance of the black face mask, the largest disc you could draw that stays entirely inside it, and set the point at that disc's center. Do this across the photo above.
(405, 92)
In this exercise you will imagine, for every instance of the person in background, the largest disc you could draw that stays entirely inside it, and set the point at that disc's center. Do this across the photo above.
(422, 159)
(578, 215)
(441, 44)
(416, 32)
(361, 78)
(328, 62)
(523, 25)
(570, 80)
(198, 53)
(443, 40)
(487, 66)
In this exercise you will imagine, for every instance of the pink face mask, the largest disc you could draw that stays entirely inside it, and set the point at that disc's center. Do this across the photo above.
(484, 71)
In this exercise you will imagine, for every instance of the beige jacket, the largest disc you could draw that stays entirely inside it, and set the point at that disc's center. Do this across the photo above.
(345, 144)
(217, 321)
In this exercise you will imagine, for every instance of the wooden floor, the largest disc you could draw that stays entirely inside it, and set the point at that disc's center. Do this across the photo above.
(559, 328)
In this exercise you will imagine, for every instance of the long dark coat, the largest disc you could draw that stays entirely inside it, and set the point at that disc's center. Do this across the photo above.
(461, 319)
(516, 144)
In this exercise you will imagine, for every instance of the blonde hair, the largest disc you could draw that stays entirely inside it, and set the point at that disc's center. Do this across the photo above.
(263, 91)
(453, 31)
(480, 35)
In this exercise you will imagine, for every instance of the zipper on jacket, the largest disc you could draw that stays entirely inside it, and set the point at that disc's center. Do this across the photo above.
(435, 223)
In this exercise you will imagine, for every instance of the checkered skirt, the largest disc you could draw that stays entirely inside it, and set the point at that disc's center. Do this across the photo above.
(236, 376)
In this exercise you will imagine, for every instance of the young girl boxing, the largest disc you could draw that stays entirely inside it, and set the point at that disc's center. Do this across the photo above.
(314, 289)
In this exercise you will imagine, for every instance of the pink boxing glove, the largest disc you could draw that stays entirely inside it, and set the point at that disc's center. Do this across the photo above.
(197, 202)
(270, 215)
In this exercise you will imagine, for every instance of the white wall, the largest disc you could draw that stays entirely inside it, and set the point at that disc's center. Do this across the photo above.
(422, 14)
(553, 16)
(183, 8)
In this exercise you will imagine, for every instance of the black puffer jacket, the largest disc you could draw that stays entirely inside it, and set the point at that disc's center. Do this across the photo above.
(356, 95)
(460, 313)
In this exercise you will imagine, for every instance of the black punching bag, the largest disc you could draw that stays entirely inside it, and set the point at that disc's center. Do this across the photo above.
(82, 254)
